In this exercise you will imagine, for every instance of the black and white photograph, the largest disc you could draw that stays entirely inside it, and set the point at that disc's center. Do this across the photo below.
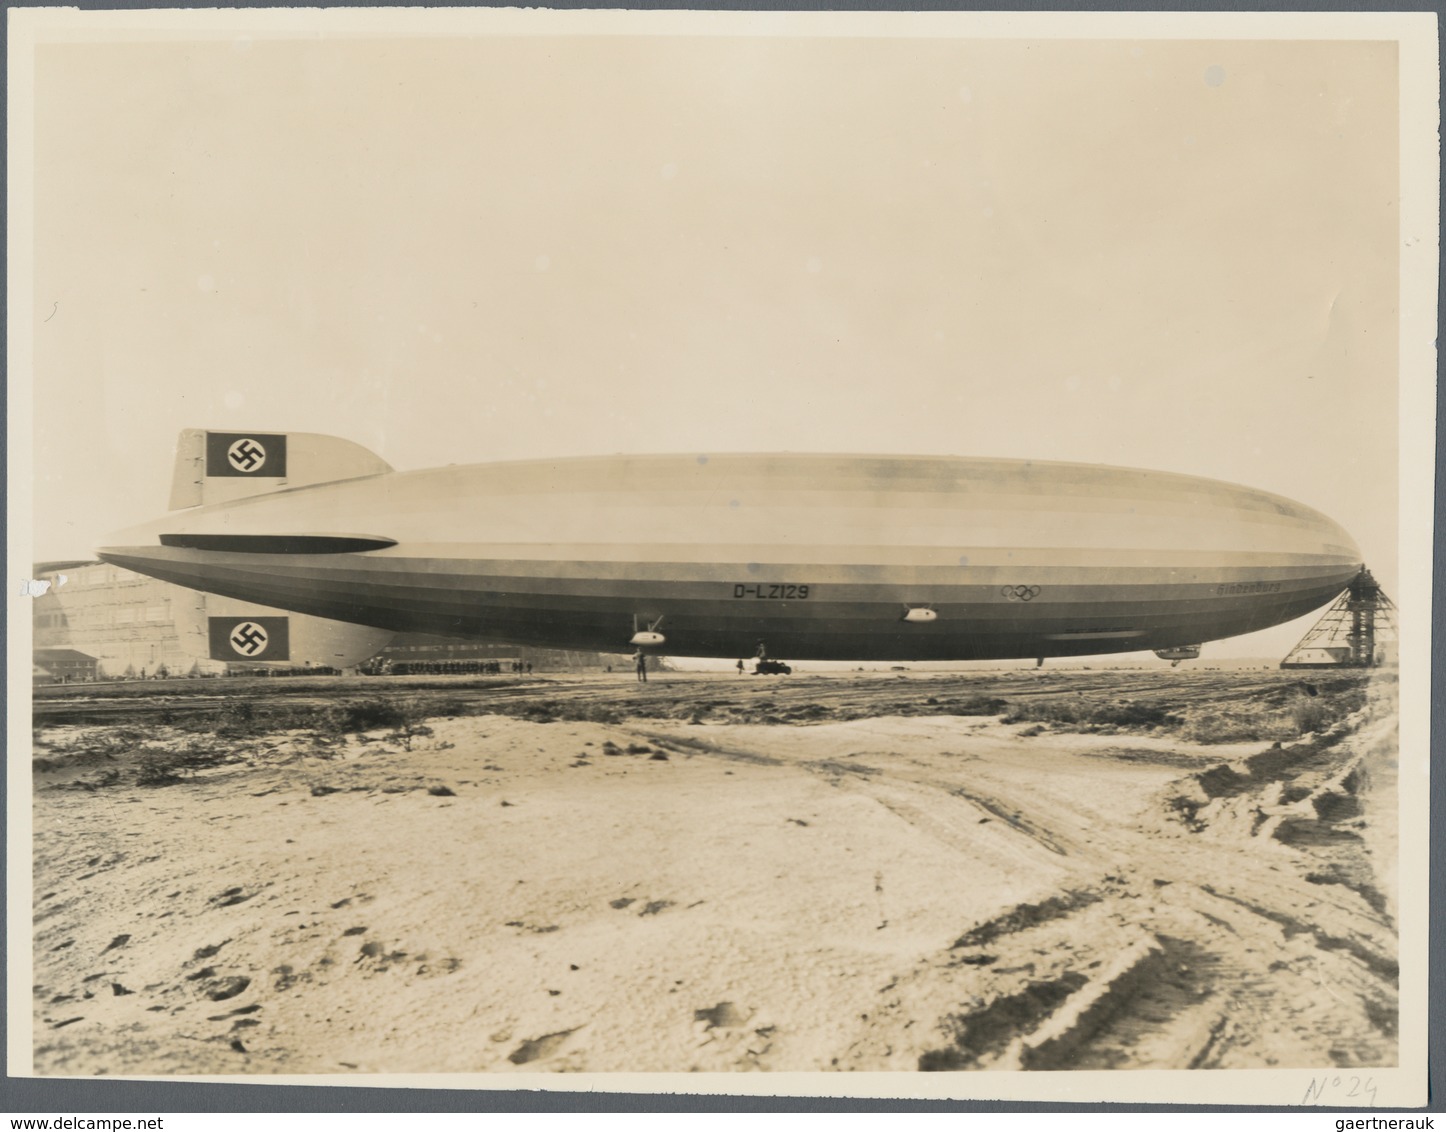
(875, 554)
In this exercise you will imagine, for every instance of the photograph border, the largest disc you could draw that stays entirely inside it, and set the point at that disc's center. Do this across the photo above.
(1415, 32)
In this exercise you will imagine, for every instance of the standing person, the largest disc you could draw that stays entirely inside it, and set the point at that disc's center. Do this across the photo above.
(740, 668)
(642, 663)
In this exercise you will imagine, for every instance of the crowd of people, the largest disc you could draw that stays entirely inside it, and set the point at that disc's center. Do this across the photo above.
(385, 666)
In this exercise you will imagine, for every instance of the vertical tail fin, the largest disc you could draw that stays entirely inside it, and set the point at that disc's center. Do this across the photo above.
(216, 467)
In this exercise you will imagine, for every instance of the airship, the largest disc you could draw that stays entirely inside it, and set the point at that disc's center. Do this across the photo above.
(786, 556)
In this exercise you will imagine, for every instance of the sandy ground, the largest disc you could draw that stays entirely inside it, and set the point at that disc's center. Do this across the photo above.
(675, 890)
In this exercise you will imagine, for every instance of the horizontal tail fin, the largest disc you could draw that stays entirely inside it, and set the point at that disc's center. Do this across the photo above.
(217, 467)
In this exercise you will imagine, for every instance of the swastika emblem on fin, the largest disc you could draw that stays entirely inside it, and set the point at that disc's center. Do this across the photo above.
(249, 639)
(247, 455)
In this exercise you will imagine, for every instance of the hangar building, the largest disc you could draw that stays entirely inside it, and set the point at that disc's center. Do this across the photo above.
(96, 622)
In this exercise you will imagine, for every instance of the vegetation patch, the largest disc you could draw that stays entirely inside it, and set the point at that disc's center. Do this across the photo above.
(1275, 716)
(1092, 715)
(1284, 720)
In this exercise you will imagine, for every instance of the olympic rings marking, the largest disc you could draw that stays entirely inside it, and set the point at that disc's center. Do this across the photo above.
(1020, 593)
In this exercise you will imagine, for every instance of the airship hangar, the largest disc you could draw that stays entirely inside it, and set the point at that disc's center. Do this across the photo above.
(97, 622)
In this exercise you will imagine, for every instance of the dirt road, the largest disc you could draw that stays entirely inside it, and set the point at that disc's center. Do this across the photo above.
(719, 873)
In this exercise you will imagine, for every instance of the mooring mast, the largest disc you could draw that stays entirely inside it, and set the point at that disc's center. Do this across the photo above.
(1348, 633)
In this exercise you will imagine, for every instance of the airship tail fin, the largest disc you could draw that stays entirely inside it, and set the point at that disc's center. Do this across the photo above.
(217, 467)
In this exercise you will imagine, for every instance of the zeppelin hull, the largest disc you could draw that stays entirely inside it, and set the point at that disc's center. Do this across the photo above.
(811, 557)
(838, 620)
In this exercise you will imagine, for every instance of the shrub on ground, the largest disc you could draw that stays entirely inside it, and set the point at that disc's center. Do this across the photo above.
(1310, 715)
(1079, 711)
(365, 715)
(974, 705)
(166, 766)
(1250, 723)
(1047, 711)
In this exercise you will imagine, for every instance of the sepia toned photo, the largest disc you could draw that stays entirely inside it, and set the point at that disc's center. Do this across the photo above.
(874, 555)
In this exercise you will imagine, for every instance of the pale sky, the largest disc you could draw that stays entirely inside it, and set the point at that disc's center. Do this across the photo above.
(1164, 254)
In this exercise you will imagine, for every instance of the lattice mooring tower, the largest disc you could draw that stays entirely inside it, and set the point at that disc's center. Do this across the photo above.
(1357, 631)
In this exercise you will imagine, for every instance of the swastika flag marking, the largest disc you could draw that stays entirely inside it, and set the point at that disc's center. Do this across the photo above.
(251, 455)
(250, 638)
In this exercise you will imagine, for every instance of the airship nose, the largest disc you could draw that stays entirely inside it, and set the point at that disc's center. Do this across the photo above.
(1336, 541)
(1326, 557)
(1298, 535)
